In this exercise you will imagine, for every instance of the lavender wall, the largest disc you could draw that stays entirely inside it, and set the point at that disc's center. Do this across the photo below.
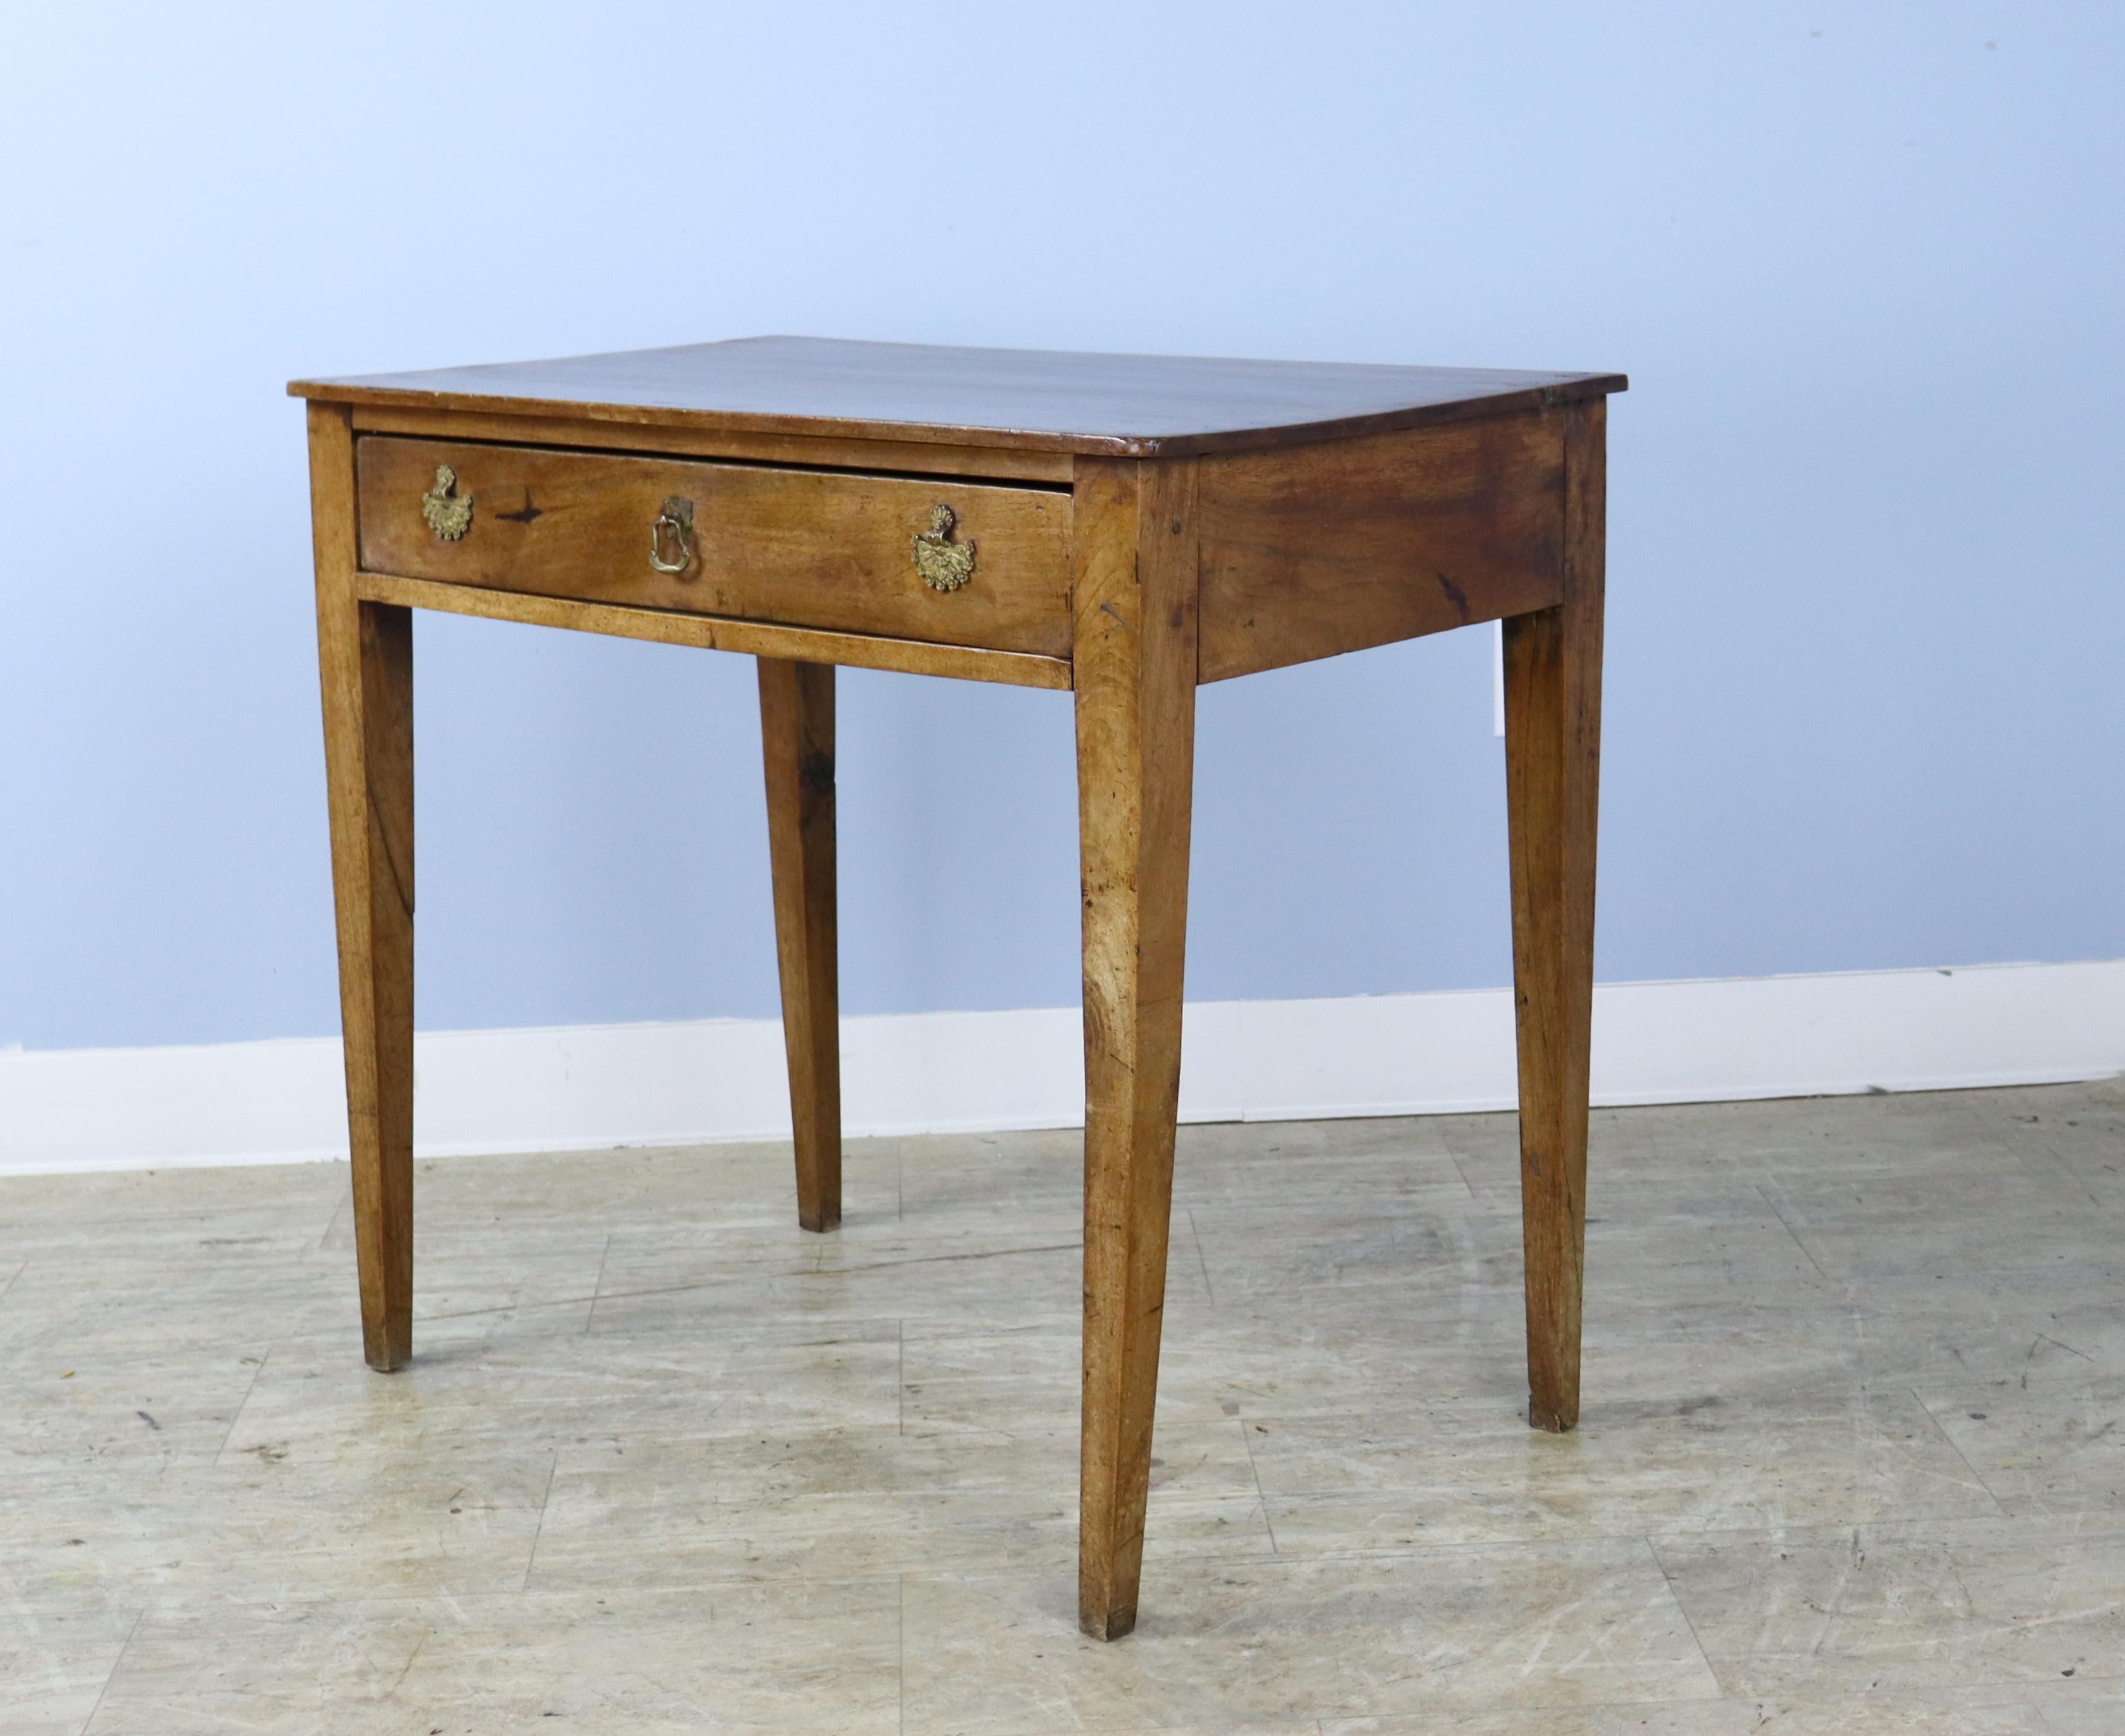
(1862, 263)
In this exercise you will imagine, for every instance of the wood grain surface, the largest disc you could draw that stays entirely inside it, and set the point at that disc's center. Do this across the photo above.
(1136, 630)
(797, 740)
(1335, 547)
(880, 457)
(1054, 401)
(705, 633)
(366, 660)
(1552, 776)
(1139, 524)
(808, 548)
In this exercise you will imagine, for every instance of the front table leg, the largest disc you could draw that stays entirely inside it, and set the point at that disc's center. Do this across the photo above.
(366, 659)
(1552, 768)
(797, 736)
(1134, 654)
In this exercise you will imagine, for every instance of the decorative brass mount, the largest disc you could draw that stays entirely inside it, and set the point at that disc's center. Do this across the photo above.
(448, 513)
(674, 529)
(944, 564)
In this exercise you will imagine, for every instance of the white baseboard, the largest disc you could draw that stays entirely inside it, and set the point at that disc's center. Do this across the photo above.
(707, 1081)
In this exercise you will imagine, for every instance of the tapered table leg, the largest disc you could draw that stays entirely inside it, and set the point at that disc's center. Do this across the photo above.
(1135, 652)
(1552, 768)
(796, 735)
(366, 660)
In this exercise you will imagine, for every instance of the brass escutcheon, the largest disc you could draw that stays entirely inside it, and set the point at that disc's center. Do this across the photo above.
(448, 513)
(674, 527)
(944, 564)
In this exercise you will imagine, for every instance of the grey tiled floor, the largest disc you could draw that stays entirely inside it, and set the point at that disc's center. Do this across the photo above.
(1851, 1457)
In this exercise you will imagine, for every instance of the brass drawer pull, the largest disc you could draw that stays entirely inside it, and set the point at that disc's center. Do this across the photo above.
(448, 513)
(944, 564)
(674, 529)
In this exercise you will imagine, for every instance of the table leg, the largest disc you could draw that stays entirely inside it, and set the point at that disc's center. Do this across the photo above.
(365, 660)
(797, 735)
(1552, 768)
(1134, 655)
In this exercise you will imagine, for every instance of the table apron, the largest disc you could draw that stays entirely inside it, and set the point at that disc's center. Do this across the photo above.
(714, 633)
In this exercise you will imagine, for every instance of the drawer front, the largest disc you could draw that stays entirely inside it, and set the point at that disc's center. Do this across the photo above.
(833, 549)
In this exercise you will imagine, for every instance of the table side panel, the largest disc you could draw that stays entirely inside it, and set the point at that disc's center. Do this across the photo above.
(827, 550)
(1333, 547)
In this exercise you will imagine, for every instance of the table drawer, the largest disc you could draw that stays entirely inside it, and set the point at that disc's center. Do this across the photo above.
(837, 549)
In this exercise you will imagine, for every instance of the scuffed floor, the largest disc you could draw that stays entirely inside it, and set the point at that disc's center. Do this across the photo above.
(1851, 1458)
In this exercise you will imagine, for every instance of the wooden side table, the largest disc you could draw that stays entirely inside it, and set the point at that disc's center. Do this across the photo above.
(1126, 527)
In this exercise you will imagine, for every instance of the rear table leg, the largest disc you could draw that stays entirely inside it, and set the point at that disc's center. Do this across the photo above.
(796, 735)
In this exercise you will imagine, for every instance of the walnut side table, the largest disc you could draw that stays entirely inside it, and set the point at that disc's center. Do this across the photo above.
(1125, 527)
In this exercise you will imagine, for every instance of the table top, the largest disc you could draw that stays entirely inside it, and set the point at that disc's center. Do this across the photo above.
(1034, 400)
